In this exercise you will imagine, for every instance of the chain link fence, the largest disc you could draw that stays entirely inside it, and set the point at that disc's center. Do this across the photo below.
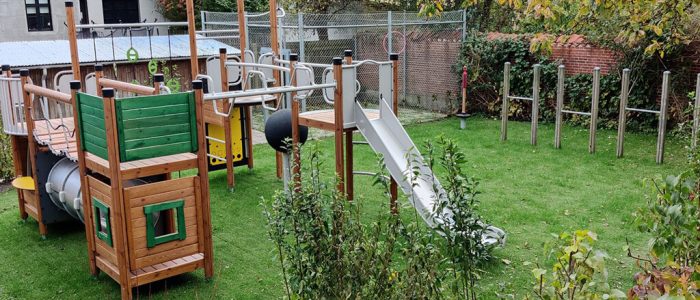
(428, 49)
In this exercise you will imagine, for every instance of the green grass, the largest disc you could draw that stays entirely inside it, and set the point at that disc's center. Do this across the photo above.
(531, 192)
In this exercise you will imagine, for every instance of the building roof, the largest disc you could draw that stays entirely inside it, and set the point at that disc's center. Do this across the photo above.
(57, 52)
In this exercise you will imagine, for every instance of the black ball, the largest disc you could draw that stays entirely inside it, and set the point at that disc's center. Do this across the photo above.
(278, 129)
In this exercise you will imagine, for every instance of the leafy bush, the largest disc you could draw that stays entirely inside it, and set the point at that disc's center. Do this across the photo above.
(485, 58)
(578, 270)
(7, 170)
(325, 250)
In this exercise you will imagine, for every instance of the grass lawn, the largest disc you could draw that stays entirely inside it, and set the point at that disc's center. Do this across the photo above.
(531, 192)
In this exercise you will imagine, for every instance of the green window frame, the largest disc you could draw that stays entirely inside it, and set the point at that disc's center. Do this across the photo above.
(103, 233)
(180, 234)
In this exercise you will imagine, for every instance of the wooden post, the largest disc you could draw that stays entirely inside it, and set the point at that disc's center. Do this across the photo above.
(296, 156)
(31, 144)
(242, 34)
(274, 44)
(203, 173)
(228, 142)
(622, 119)
(535, 104)
(393, 186)
(594, 111)
(158, 80)
(339, 123)
(465, 79)
(506, 98)
(560, 105)
(663, 115)
(696, 113)
(98, 76)
(349, 148)
(72, 40)
(117, 193)
(191, 30)
(85, 195)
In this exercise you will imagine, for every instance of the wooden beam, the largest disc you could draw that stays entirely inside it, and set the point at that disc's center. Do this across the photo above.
(84, 185)
(48, 93)
(120, 234)
(339, 124)
(203, 171)
(274, 44)
(349, 160)
(393, 186)
(31, 144)
(228, 143)
(127, 87)
(191, 30)
(242, 33)
(296, 139)
(72, 40)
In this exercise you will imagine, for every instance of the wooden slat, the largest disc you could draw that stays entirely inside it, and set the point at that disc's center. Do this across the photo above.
(150, 274)
(165, 256)
(139, 225)
(129, 114)
(152, 193)
(141, 249)
(105, 251)
(137, 212)
(147, 167)
(107, 267)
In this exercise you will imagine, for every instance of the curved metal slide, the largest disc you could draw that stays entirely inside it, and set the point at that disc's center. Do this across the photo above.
(387, 136)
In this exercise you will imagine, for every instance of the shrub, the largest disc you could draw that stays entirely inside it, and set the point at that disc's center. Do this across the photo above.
(485, 57)
(325, 250)
(7, 170)
(577, 272)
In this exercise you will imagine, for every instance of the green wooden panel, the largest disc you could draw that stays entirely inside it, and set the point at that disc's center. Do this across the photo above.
(174, 119)
(155, 111)
(153, 101)
(95, 140)
(146, 133)
(92, 125)
(156, 151)
(157, 141)
(152, 126)
(95, 121)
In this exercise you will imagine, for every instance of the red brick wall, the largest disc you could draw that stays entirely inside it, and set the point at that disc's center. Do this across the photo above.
(583, 58)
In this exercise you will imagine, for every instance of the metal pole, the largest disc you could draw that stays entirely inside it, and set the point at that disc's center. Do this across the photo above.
(504, 108)
(696, 114)
(594, 110)
(560, 105)
(247, 35)
(389, 30)
(464, 25)
(404, 75)
(535, 105)
(663, 114)
(201, 15)
(301, 32)
(622, 119)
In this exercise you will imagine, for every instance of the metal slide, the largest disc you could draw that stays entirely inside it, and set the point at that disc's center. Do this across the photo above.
(387, 136)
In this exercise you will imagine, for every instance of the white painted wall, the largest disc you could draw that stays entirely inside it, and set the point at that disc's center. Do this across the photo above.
(13, 19)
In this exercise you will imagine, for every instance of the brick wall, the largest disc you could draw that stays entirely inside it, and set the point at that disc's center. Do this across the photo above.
(580, 57)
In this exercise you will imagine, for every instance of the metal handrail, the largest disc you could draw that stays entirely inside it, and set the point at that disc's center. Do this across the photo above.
(258, 92)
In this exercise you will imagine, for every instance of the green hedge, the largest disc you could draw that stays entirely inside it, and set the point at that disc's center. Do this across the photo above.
(485, 59)
(6, 166)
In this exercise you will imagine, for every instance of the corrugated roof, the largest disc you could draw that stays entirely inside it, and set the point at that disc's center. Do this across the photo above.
(57, 52)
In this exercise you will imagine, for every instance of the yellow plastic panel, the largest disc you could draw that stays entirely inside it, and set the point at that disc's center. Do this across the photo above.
(217, 132)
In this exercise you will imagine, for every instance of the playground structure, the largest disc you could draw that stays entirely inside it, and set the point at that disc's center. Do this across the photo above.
(535, 99)
(662, 112)
(593, 114)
